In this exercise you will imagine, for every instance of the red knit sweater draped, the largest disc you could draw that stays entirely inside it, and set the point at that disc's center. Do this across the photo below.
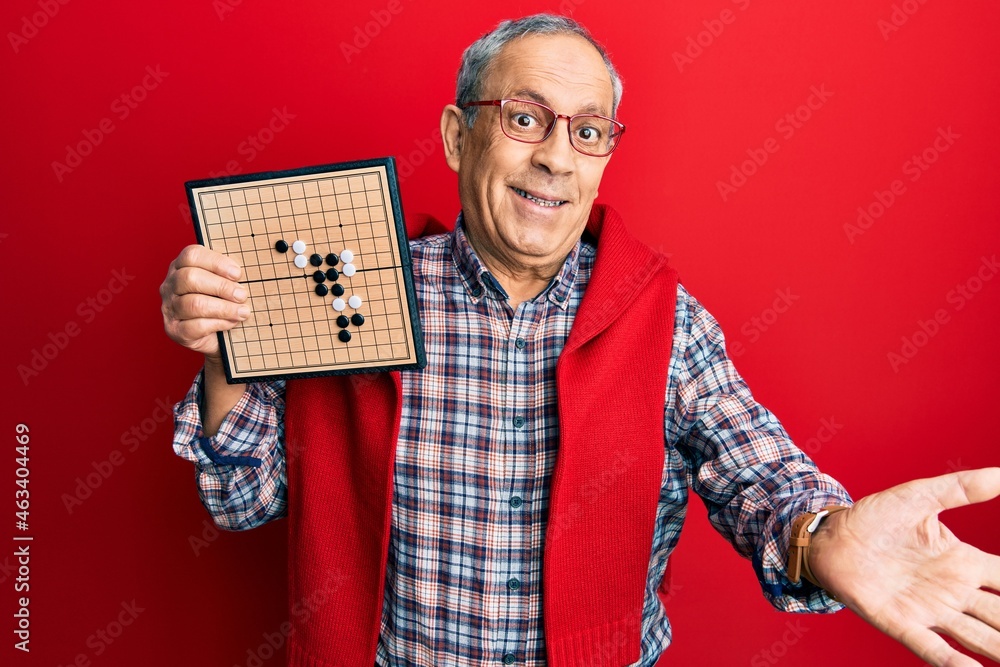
(611, 380)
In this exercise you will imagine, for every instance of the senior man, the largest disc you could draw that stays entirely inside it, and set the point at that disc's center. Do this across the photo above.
(516, 501)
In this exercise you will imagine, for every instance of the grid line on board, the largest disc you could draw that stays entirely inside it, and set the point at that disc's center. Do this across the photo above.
(361, 216)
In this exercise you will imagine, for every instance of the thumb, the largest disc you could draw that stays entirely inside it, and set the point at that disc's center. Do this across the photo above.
(956, 489)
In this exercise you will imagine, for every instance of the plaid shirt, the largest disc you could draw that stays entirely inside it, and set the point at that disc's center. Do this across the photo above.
(478, 440)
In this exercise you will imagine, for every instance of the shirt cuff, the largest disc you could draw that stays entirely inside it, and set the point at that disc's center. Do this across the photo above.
(238, 441)
(771, 562)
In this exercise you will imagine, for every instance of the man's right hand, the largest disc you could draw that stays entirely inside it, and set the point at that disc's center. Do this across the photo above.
(201, 296)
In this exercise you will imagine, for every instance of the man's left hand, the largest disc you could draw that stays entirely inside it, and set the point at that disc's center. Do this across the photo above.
(891, 561)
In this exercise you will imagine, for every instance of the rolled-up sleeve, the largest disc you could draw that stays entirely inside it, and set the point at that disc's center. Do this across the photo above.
(240, 471)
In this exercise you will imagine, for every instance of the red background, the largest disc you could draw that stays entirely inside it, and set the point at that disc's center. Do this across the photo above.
(229, 64)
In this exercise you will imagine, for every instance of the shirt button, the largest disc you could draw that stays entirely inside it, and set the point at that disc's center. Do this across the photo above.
(518, 422)
(521, 343)
(508, 659)
(513, 583)
(477, 291)
(560, 297)
(515, 502)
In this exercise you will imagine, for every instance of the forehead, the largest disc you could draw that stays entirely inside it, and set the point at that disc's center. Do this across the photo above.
(564, 71)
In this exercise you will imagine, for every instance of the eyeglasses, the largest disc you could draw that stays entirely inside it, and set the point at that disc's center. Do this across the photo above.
(532, 123)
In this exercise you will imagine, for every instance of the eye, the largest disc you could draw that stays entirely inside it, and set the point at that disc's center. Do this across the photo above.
(524, 120)
(588, 134)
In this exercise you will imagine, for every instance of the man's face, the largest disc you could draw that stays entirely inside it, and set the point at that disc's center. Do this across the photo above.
(508, 229)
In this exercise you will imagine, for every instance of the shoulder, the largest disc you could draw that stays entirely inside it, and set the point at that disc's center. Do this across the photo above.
(431, 257)
(427, 250)
(425, 245)
(695, 328)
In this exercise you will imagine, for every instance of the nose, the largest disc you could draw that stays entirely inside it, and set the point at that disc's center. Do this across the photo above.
(556, 155)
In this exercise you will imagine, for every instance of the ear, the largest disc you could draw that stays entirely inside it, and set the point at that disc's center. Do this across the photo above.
(452, 131)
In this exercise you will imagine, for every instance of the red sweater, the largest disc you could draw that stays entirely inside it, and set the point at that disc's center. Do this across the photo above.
(611, 380)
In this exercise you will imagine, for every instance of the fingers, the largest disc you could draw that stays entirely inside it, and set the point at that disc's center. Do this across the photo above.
(933, 649)
(198, 270)
(978, 486)
(953, 490)
(956, 659)
(200, 296)
(204, 258)
(991, 572)
(193, 280)
(201, 271)
(986, 607)
(195, 293)
(974, 635)
(198, 306)
(189, 331)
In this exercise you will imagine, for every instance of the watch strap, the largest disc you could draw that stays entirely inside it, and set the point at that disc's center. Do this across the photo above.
(802, 531)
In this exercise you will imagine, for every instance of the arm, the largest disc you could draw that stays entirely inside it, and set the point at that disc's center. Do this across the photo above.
(240, 470)
(740, 460)
(232, 433)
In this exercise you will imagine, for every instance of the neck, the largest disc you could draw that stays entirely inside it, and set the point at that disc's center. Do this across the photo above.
(521, 280)
(522, 283)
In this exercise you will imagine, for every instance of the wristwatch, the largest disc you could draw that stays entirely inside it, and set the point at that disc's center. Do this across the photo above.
(798, 545)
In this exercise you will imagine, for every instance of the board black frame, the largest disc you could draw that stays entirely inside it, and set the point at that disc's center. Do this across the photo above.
(406, 262)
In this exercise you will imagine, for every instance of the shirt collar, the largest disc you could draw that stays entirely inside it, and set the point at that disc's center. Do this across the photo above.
(479, 282)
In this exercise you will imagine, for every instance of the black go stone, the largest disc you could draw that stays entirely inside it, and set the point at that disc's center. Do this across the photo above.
(281, 246)
(315, 260)
(337, 289)
(343, 322)
(357, 319)
(332, 259)
(332, 274)
(344, 335)
(321, 290)
(319, 277)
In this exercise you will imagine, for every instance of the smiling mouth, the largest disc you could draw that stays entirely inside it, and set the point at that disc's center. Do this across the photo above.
(551, 203)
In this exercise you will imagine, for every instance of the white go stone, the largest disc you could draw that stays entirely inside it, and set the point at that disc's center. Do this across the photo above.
(301, 260)
(299, 247)
(339, 305)
(347, 256)
(355, 301)
(349, 270)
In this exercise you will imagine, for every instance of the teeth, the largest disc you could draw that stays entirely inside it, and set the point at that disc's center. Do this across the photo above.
(540, 202)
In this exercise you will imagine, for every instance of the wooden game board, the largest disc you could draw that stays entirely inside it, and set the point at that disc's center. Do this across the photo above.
(327, 266)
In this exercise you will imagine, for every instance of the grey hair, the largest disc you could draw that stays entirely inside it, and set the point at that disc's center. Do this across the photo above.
(481, 54)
